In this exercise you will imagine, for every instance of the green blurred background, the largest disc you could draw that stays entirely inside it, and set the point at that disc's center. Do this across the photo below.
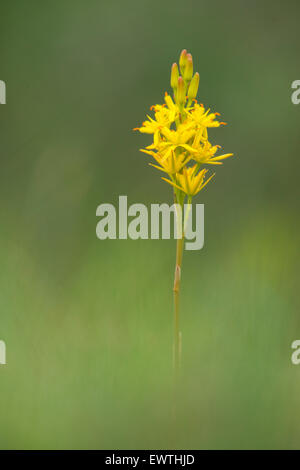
(88, 323)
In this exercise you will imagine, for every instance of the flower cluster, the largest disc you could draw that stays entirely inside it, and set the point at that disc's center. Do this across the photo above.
(180, 138)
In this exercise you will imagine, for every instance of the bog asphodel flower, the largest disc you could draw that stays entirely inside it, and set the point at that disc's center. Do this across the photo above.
(189, 181)
(180, 146)
(180, 132)
(172, 165)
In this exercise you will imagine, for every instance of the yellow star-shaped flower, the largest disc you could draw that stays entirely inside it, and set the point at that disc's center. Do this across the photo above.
(189, 181)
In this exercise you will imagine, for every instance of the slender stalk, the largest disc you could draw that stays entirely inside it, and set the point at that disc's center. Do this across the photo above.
(176, 289)
(177, 281)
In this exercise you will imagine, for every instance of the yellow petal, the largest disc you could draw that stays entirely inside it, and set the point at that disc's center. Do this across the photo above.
(173, 184)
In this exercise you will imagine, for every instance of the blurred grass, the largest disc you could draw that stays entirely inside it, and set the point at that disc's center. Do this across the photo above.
(88, 324)
(90, 366)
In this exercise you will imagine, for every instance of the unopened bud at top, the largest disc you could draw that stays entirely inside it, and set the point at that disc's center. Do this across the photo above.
(174, 76)
(193, 88)
(182, 60)
(180, 96)
(188, 70)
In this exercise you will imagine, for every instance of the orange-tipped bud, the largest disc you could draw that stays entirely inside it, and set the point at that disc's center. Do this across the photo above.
(182, 60)
(180, 95)
(193, 88)
(188, 69)
(174, 76)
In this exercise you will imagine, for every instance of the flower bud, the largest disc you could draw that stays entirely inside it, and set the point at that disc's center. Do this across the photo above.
(180, 96)
(188, 70)
(174, 76)
(182, 60)
(193, 88)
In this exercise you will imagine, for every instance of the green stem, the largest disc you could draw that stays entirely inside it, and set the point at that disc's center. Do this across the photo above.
(176, 290)
(177, 281)
(186, 218)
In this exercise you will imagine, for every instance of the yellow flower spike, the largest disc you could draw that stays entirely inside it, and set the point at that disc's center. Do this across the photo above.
(188, 69)
(189, 181)
(182, 60)
(193, 88)
(174, 76)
